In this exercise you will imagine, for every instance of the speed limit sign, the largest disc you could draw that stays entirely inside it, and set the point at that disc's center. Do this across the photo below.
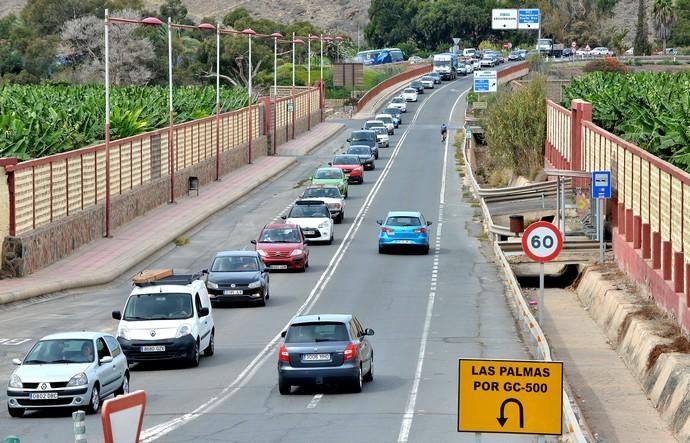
(542, 241)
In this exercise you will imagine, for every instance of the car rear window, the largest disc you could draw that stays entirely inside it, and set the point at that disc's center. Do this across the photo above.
(361, 135)
(328, 174)
(317, 332)
(359, 150)
(403, 221)
(345, 160)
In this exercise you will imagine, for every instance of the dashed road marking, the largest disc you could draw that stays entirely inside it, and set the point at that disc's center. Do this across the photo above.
(314, 401)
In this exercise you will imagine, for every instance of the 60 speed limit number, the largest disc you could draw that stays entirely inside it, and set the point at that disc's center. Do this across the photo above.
(542, 241)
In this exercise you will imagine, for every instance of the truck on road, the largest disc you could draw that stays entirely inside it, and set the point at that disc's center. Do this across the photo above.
(547, 47)
(446, 65)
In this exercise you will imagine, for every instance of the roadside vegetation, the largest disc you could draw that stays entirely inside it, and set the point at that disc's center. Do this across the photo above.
(651, 110)
(514, 125)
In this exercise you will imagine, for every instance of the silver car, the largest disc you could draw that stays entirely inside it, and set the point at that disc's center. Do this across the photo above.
(70, 369)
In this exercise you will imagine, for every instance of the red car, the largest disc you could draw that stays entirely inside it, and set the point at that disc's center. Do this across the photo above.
(351, 166)
(282, 246)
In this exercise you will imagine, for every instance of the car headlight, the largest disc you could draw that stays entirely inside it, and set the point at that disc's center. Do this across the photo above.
(297, 252)
(183, 330)
(15, 381)
(78, 380)
(261, 252)
(212, 285)
(323, 225)
(123, 332)
(255, 284)
(337, 205)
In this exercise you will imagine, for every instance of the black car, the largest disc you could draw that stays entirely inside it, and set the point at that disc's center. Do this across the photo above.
(436, 76)
(364, 137)
(365, 155)
(324, 349)
(416, 84)
(238, 276)
(395, 112)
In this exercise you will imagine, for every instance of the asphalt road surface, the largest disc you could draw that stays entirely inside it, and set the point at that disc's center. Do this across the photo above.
(427, 311)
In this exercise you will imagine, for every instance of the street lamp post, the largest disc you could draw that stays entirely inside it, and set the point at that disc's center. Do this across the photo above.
(171, 155)
(108, 21)
(250, 33)
(276, 36)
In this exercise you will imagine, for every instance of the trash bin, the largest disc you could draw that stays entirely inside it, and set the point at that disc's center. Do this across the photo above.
(517, 224)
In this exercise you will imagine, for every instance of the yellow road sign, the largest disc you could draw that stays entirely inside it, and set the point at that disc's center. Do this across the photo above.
(510, 396)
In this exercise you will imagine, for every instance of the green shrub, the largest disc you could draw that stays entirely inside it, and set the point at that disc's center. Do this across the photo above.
(515, 128)
(606, 64)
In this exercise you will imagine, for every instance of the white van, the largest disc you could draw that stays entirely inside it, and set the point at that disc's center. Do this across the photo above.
(469, 52)
(167, 316)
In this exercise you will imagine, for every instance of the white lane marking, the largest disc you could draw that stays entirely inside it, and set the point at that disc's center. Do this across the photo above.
(158, 431)
(314, 401)
(408, 417)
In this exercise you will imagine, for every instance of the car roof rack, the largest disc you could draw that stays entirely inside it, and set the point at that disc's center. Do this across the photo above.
(154, 277)
(309, 202)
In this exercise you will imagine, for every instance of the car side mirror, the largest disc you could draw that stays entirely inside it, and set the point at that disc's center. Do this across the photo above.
(204, 271)
(349, 140)
(379, 222)
(283, 334)
(117, 315)
(203, 312)
(368, 331)
(284, 217)
(16, 361)
(428, 223)
(105, 360)
(253, 242)
(330, 164)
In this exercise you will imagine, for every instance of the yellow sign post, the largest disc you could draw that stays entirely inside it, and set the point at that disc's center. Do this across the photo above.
(510, 396)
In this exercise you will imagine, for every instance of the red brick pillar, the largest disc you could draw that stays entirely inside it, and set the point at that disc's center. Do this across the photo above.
(614, 211)
(637, 232)
(646, 241)
(678, 262)
(629, 225)
(581, 111)
(687, 284)
(622, 225)
(656, 250)
(666, 260)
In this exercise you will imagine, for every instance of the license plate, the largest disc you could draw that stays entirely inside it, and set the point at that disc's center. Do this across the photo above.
(404, 242)
(232, 292)
(43, 396)
(316, 357)
(278, 266)
(310, 232)
(153, 349)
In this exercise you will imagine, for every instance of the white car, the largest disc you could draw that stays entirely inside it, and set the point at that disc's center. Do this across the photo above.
(382, 138)
(329, 195)
(600, 50)
(314, 217)
(69, 369)
(398, 103)
(583, 52)
(167, 316)
(476, 65)
(428, 82)
(488, 61)
(409, 94)
(387, 120)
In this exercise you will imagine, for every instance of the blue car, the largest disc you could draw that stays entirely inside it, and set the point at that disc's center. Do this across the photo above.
(404, 229)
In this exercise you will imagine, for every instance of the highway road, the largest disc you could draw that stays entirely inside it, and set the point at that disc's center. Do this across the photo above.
(427, 311)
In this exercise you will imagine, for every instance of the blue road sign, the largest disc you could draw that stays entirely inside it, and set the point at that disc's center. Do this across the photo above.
(481, 85)
(528, 18)
(601, 184)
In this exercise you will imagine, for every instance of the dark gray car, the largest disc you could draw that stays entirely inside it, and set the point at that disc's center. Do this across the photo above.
(238, 276)
(365, 155)
(364, 137)
(325, 349)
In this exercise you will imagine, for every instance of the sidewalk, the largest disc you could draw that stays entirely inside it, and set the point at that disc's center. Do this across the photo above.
(103, 260)
(609, 396)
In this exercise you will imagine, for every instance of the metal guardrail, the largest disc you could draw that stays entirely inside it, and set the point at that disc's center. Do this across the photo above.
(543, 350)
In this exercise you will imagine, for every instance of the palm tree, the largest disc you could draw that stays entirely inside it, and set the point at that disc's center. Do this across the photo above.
(664, 18)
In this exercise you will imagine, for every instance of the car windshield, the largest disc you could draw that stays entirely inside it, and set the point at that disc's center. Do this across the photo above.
(235, 264)
(400, 100)
(345, 160)
(279, 235)
(372, 124)
(316, 332)
(403, 221)
(387, 119)
(410, 90)
(321, 192)
(159, 306)
(392, 111)
(361, 135)
(380, 130)
(359, 150)
(56, 351)
(328, 174)
(307, 211)
(427, 78)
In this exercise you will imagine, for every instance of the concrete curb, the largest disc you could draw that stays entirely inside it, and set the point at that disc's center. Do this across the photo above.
(121, 266)
(667, 383)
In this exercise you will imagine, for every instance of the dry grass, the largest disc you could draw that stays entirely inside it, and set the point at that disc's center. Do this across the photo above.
(181, 240)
